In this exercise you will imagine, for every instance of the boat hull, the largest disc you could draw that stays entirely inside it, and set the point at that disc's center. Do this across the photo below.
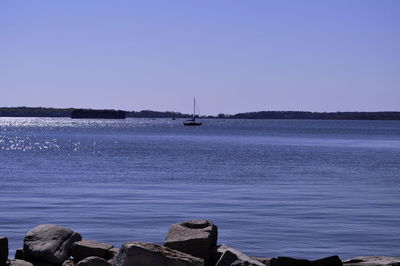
(191, 123)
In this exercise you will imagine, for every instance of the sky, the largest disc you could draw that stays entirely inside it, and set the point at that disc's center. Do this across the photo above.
(232, 55)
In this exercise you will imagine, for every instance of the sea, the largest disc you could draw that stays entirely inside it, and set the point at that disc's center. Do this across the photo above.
(300, 188)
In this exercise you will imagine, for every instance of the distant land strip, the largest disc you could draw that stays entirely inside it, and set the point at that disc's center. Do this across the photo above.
(66, 112)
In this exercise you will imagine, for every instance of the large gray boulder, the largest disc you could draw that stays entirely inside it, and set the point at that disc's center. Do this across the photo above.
(225, 256)
(93, 261)
(87, 248)
(194, 237)
(149, 254)
(372, 261)
(3, 250)
(49, 243)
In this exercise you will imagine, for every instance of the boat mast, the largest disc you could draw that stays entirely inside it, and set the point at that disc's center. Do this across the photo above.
(194, 108)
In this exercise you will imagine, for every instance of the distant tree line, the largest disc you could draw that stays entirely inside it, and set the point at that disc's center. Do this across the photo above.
(35, 112)
(66, 112)
(105, 114)
(156, 114)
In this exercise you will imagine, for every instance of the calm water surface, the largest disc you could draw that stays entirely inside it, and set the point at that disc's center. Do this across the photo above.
(300, 188)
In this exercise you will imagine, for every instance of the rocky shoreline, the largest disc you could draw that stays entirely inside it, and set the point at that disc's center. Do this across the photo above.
(189, 243)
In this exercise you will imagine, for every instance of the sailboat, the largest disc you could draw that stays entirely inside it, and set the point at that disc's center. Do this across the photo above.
(192, 122)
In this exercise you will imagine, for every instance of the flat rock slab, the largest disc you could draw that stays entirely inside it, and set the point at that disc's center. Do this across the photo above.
(226, 256)
(3, 250)
(87, 248)
(372, 261)
(194, 237)
(49, 243)
(149, 254)
(93, 261)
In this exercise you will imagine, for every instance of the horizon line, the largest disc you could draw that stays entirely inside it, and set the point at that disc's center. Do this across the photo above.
(170, 111)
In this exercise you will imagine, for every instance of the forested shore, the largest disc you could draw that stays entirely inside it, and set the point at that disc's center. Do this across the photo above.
(66, 112)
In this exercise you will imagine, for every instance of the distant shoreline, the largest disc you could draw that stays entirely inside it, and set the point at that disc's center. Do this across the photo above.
(66, 112)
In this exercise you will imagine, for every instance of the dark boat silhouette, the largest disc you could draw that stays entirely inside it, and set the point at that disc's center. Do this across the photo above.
(192, 122)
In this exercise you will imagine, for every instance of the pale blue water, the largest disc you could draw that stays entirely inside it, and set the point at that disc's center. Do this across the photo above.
(273, 187)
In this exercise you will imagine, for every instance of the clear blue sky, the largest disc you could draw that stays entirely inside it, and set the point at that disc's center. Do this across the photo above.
(233, 56)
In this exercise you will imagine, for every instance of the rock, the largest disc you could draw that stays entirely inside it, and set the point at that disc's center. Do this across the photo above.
(19, 254)
(330, 261)
(264, 261)
(225, 256)
(19, 263)
(87, 248)
(287, 261)
(243, 263)
(111, 255)
(372, 260)
(49, 243)
(3, 250)
(27, 263)
(149, 254)
(194, 237)
(69, 263)
(93, 261)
